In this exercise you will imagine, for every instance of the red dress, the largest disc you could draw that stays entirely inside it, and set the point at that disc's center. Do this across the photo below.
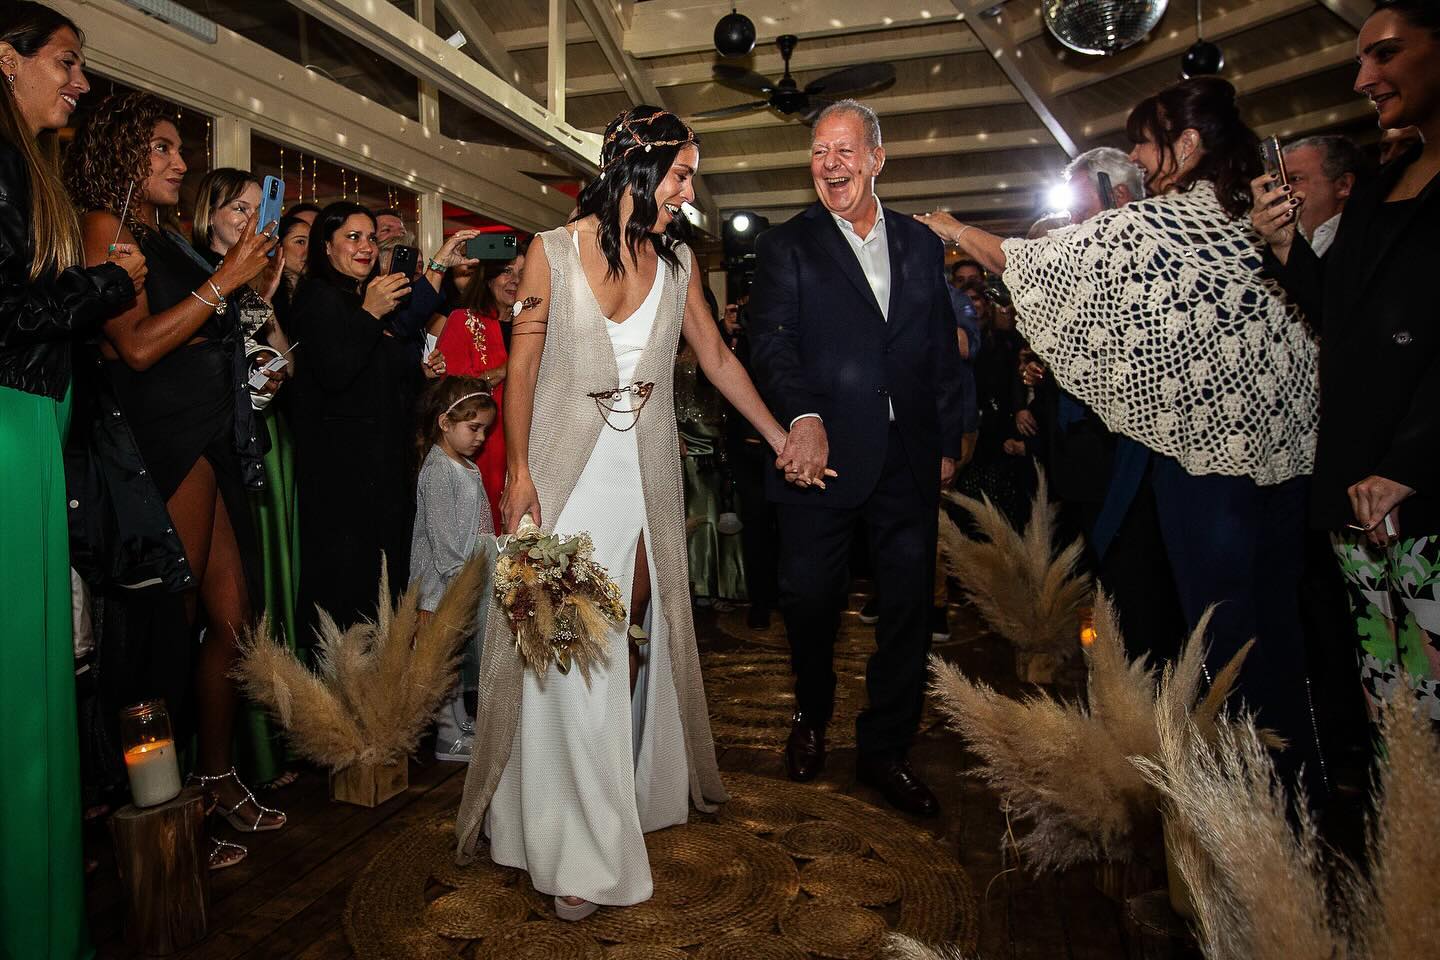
(472, 344)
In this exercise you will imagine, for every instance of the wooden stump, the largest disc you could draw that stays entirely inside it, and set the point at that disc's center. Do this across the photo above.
(370, 784)
(163, 858)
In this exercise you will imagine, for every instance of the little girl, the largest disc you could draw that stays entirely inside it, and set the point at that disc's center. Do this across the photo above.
(452, 522)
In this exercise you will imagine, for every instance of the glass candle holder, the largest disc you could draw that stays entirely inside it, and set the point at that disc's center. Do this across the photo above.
(150, 757)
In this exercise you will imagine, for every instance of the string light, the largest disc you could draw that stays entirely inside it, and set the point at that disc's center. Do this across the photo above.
(282, 164)
(209, 146)
(314, 179)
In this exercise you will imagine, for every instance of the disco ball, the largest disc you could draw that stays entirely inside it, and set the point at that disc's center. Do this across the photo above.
(1102, 27)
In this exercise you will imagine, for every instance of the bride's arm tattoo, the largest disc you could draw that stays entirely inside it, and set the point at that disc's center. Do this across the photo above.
(529, 303)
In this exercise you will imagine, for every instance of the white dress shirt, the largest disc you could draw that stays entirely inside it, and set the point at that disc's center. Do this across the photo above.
(1325, 235)
(873, 252)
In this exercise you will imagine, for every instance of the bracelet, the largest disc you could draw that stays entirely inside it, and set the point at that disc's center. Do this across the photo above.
(218, 295)
(961, 234)
(436, 265)
(217, 307)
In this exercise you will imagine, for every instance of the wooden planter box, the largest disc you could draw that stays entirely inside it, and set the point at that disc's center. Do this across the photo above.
(369, 784)
(163, 857)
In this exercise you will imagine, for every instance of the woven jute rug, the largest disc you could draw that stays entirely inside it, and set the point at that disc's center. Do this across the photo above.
(784, 872)
(751, 691)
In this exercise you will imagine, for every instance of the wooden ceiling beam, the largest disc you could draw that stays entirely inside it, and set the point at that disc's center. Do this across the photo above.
(885, 106)
(1247, 84)
(894, 150)
(1353, 12)
(949, 187)
(390, 33)
(609, 33)
(1317, 120)
(482, 40)
(687, 26)
(1031, 76)
(1176, 43)
(769, 63)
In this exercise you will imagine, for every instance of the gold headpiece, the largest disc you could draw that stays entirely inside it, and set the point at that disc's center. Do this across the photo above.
(630, 126)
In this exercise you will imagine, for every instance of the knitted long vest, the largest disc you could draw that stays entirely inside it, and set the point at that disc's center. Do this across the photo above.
(578, 360)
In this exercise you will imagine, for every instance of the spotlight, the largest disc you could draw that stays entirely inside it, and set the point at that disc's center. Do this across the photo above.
(741, 222)
(1057, 198)
(734, 34)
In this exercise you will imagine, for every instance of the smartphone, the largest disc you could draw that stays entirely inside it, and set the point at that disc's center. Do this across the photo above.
(404, 260)
(275, 364)
(272, 204)
(492, 246)
(1107, 191)
(1273, 160)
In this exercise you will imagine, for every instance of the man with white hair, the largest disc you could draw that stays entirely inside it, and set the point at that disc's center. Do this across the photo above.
(1324, 170)
(853, 345)
(1127, 181)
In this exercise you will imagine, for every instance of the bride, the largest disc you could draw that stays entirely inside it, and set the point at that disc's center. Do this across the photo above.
(567, 777)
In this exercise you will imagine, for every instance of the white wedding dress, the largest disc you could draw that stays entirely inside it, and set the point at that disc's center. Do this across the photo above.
(576, 799)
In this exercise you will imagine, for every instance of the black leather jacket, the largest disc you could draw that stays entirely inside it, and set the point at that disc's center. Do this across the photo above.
(39, 319)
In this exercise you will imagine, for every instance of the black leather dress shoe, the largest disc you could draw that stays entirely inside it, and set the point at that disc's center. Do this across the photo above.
(893, 777)
(805, 750)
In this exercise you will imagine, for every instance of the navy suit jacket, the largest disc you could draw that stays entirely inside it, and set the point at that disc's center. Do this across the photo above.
(820, 344)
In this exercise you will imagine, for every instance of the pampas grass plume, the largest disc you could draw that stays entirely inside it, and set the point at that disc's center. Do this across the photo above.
(900, 947)
(1026, 592)
(377, 684)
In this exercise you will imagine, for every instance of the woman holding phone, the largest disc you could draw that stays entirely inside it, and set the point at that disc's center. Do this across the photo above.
(171, 368)
(1159, 318)
(473, 344)
(47, 302)
(225, 202)
(1377, 484)
(353, 410)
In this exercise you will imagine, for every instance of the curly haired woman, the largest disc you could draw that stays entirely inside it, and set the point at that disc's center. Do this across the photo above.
(175, 362)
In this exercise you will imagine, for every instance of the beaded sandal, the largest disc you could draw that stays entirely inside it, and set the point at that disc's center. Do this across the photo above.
(224, 854)
(232, 814)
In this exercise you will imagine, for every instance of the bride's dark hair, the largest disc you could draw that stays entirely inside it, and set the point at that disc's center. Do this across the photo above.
(640, 146)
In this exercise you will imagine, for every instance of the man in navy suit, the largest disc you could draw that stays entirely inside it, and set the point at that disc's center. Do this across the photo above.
(853, 345)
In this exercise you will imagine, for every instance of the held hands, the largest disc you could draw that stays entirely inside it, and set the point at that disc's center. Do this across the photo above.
(384, 293)
(806, 453)
(451, 254)
(1026, 423)
(1376, 502)
(1275, 214)
(247, 259)
(518, 499)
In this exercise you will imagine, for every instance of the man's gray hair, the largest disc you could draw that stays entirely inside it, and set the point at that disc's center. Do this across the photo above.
(868, 120)
(1113, 163)
(1339, 155)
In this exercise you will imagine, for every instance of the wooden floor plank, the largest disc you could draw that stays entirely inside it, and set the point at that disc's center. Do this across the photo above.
(287, 900)
(234, 924)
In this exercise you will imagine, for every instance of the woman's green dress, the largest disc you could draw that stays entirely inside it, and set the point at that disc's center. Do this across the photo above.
(261, 755)
(42, 888)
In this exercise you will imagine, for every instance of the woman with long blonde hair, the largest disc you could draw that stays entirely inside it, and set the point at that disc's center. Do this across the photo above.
(46, 301)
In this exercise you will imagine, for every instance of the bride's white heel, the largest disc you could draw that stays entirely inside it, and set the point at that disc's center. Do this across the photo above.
(574, 911)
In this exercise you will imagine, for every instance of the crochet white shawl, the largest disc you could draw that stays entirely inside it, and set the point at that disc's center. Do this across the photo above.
(1157, 317)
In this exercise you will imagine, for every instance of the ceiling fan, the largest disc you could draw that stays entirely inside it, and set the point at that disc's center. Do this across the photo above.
(788, 97)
